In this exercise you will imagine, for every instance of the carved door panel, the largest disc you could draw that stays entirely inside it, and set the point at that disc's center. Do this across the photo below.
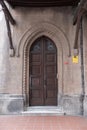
(50, 73)
(43, 73)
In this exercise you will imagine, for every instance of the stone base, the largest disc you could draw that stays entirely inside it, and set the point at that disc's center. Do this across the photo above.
(11, 104)
(71, 105)
(85, 106)
(43, 110)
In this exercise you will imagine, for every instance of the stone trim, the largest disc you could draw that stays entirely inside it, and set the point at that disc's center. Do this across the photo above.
(71, 104)
(11, 103)
(61, 41)
(44, 27)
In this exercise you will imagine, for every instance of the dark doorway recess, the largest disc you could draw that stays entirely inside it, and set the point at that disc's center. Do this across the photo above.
(43, 89)
(43, 3)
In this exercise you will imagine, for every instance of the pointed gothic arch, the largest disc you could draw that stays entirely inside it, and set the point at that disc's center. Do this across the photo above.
(58, 37)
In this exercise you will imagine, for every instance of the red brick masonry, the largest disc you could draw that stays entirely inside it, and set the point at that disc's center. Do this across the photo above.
(43, 123)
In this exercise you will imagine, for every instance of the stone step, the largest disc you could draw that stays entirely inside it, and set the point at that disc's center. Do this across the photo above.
(44, 111)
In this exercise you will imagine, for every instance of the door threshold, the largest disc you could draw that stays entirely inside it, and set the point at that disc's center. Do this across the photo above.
(44, 110)
(43, 107)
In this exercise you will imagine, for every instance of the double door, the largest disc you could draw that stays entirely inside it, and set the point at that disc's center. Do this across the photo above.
(43, 73)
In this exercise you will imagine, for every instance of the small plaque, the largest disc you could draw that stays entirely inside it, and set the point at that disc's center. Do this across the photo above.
(75, 59)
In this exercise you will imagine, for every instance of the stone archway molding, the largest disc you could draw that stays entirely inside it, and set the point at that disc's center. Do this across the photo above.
(44, 28)
(62, 43)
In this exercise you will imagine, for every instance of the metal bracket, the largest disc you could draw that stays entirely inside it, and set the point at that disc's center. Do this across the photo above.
(7, 13)
(8, 17)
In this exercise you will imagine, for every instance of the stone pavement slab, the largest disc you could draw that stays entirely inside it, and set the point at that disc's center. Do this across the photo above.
(42, 123)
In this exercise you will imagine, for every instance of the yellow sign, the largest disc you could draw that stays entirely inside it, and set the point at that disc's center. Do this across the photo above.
(75, 59)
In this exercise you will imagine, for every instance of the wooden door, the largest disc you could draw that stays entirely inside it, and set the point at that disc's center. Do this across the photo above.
(43, 73)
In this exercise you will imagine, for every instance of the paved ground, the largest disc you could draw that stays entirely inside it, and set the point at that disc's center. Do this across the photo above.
(42, 123)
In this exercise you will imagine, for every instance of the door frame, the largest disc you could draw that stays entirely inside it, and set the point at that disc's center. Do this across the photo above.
(63, 46)
(42, 38)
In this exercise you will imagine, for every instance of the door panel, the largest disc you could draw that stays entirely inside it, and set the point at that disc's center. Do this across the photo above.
(36, 69)
(50, 69)
(50, 58)
(36, 58)
(36, 82)
(43, 73)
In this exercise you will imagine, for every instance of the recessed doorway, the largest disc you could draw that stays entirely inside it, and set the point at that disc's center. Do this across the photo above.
(43, 89)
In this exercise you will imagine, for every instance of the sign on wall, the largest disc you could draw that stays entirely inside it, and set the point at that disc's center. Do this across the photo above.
(75, 59)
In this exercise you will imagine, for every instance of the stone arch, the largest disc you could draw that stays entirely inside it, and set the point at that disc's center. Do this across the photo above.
(49, 29)
(61, 42)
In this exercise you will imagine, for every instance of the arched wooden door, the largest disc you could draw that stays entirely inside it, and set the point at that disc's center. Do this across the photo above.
(43, 73)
